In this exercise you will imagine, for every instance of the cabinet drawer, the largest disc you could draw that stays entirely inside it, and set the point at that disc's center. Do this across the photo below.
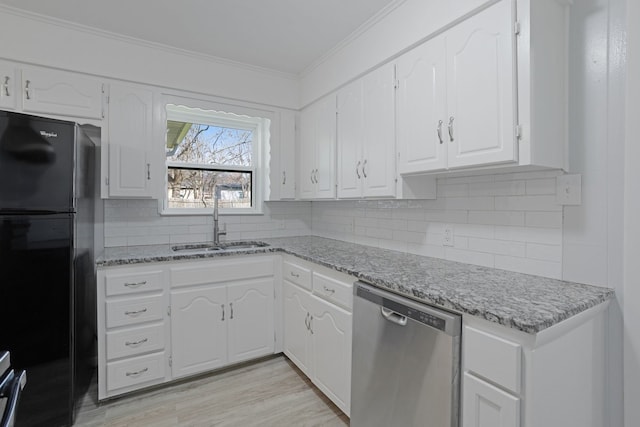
(135, 371)
(122, 284)
(333, 290)
(140, 340)
(494, 358)
(134, 310)
(299, 275)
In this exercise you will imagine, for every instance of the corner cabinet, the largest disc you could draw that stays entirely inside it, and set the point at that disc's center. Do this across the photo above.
(317, 172)
(553, 378)
(466, 97)
(317, 305)
(165, 321)
(128, 141)
(365, 136)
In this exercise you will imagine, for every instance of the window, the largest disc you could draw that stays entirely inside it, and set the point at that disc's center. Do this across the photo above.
(213, 155)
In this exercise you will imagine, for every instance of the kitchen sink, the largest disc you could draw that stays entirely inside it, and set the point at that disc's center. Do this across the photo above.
(226, 246)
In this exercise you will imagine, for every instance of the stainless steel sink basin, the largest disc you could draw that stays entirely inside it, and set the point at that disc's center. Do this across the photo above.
(226, 246)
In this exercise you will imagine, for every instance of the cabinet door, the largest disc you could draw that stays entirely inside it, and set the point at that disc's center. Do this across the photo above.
(379, 161)
(326, 149)
(331, 334)
(251, 319)
(307, 153)
(129, 141)
(199, 320)
(8, 85)
(421, 108)
(297, 340)
(485, 405)
(287, 151)
(350, 133)
(60, 93)
(481, 95)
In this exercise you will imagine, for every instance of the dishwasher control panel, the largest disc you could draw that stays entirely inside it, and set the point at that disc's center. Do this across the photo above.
(412, 310)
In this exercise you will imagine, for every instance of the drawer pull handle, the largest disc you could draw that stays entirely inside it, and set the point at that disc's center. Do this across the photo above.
(135, 285)
(231, 306)
(223, 312)
(135, 313)
(137, 373)
(135, 343)
(329, 290)
(294, 274)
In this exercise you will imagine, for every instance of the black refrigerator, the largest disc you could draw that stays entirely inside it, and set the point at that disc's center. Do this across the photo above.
(47, 285)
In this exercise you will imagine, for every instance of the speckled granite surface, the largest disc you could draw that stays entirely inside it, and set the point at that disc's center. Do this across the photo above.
(520, 301)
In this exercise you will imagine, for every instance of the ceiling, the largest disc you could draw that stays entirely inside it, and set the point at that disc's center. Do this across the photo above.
(282, 35)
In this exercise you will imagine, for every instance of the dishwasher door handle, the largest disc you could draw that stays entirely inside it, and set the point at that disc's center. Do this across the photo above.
(394, 317)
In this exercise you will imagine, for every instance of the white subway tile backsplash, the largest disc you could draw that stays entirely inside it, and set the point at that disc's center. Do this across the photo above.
(544, 252)
(527, 203)
(508, 221)
(497, 218)
(529, 266)
(543, 219)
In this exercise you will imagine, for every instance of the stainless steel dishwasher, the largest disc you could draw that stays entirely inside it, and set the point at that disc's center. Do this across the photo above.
(405, 364)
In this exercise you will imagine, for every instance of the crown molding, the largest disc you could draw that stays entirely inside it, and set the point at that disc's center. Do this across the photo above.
(142, 43)
(362, 29)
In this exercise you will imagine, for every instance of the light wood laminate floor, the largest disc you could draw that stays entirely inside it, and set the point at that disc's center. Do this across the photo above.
(271, 392)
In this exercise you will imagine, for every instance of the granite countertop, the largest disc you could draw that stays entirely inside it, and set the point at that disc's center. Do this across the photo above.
(520, 301)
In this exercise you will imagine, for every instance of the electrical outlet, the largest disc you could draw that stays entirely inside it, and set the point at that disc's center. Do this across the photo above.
(447, 236)
(569, 189)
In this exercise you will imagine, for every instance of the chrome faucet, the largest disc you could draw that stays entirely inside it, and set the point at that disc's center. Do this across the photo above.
(216, 230)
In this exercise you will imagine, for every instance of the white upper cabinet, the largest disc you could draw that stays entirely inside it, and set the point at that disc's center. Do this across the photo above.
(365, 136)
(475, 96)
(481, 98)
(8, 86)
(129, 142)
(350, 139)
(421, 107)
(317, 173)
(61, 93)
(283, 185)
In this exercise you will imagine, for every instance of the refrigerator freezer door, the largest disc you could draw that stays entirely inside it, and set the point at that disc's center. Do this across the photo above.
(36, 164)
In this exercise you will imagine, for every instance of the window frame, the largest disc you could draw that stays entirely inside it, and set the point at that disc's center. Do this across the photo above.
(236, 118)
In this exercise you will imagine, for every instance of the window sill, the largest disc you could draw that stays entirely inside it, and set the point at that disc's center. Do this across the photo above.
(208, 212)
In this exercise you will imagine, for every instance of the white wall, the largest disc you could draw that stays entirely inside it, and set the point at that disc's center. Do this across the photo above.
(632, 222)
(507, 221)
(594, 232)
(43, 42)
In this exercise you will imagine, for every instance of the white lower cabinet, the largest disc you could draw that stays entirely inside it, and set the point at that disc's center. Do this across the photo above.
(227, 319)
(159, 322)
(198, 330)
(488, 406)
(317, 334)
